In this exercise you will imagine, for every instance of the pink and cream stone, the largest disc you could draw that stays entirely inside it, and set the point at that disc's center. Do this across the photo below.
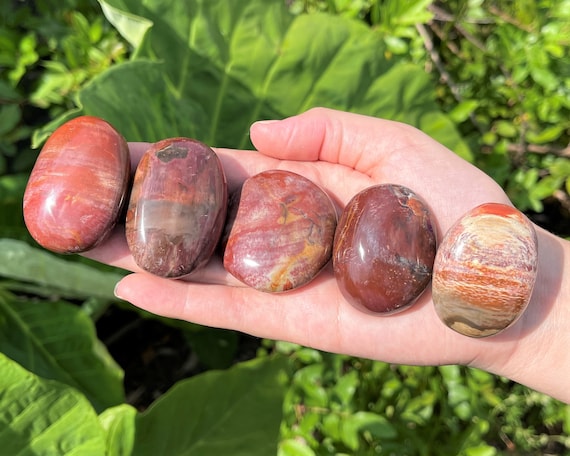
(485, 270)
(282, 234)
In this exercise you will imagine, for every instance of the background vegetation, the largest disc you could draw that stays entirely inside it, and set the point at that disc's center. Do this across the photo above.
(81, 373)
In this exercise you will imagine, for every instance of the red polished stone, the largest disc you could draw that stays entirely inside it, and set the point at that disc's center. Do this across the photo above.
(77, 186)
(485, 270)
(384, 249)
(282, 234)
(177, 208)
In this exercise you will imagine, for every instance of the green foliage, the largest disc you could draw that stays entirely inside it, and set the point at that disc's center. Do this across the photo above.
(208, 69)
(48, 49)
(40, 416)
(510, 71)
(504, 78)
(62, 348)
(210, 414)
(234, 412)
(344, 405)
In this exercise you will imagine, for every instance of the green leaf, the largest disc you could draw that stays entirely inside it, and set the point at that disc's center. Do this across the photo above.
(19, 260)
(235, 412)
(41, 417)
(10, 115)
(331, 426)
(463, 110)
(377, 426)
(292, 447)
(310, 380)
(560, 167)
(396, 45)
(119, 425)
(505, 129)
(414, 12)
(41, 134)
(7, 92)
(481, 450)
(209, 69)
(215, 348)
(545, 187)
(547, 135)
(56, 340)
(133, 28)
(11, 214)
(346, 386)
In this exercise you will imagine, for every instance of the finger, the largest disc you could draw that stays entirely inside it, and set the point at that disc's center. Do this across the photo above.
(137, 150)
(357, 141)
(237, 165)
(313, 318)
(387, 151)
(115, 252)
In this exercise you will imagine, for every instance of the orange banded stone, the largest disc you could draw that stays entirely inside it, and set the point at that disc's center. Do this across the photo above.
(485, 270)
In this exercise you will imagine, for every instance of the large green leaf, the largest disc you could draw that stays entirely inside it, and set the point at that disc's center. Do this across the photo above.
(21, 261)
(44, 417)
(57, 340)
(237, 412)
(119, 423)
(208, 69)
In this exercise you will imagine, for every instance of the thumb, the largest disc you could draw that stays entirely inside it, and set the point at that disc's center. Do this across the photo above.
(357, 141)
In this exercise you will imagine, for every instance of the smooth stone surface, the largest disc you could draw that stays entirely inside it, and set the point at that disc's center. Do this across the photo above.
(485, 270)
(177, 207)
(78, 185)
(282, 234)
(384, 249)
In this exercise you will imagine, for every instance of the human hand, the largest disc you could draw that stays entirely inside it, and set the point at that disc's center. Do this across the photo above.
(345, 153)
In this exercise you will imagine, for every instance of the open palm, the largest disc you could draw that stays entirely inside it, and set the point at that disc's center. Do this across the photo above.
(343, 153)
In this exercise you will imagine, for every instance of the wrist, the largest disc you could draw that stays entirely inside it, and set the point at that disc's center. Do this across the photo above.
(535, 351)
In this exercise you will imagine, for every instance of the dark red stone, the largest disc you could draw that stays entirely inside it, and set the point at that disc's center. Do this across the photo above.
(78, 186)
(177, 208)
(282, 234)
(384, 249)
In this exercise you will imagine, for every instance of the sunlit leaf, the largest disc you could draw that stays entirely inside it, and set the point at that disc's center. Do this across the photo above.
(119, 425)
(209, 69)
(235, 412)
(56, 340)
(41, 417)
(21, 261)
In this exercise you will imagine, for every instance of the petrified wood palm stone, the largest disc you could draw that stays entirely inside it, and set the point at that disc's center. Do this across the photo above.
(485, 270)
(384, 249)
(78, 185)
(177, 207)
(282, 233)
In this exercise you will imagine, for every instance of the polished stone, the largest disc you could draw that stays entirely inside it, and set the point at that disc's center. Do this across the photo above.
(177, 207)
(282, 234)
(384, 249)
(485, 270)
(78, 185)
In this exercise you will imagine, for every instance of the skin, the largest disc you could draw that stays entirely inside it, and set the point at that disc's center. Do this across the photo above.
(345, 153)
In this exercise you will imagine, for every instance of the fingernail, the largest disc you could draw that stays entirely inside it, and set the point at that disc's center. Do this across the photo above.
(116, 291)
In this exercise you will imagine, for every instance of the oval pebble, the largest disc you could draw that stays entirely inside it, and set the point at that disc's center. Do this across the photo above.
(485, 270)
(177, 208)
(384, 249)
(282, 234)
(78, 185)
